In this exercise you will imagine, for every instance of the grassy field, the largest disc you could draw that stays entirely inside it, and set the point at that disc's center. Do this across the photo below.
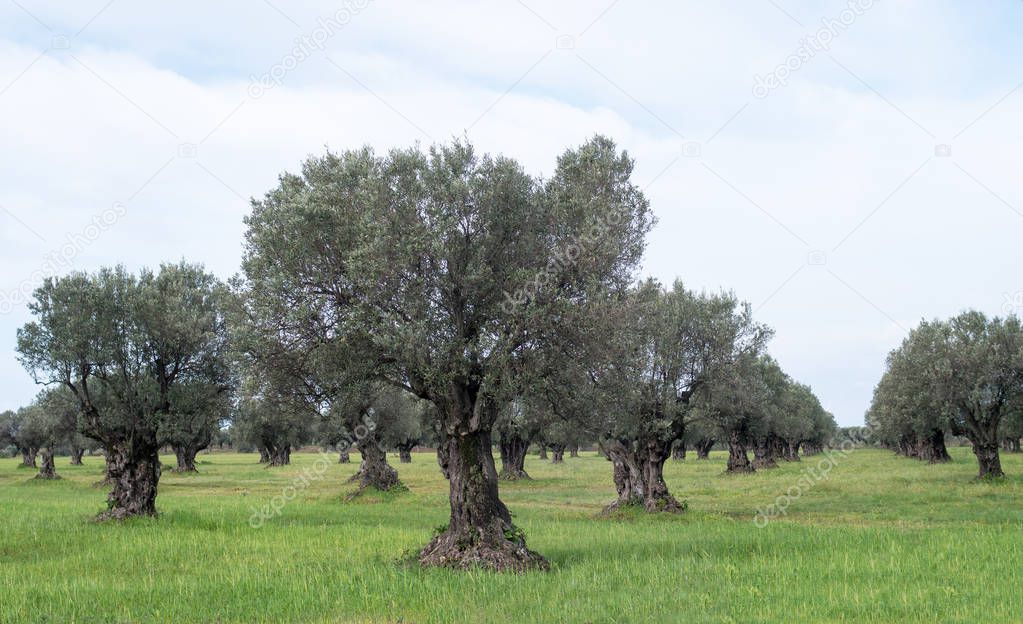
(882, 539)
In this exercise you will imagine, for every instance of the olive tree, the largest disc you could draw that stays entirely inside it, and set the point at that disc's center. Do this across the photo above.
(440, 268)
(964, 374)
(668, 345)
(122, 344)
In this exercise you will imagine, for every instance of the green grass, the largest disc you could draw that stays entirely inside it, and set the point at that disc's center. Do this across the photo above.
(883, 539)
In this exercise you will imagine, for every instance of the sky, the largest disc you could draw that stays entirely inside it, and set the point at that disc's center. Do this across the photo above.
(848, 168)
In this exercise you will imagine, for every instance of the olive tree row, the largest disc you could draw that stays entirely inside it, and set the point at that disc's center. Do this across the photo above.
(963, 376)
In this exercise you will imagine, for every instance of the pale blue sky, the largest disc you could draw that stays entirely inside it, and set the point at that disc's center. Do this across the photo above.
(102, 101)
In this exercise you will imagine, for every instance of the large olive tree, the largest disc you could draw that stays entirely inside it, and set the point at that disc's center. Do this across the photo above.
(441, 268)
(123, 344)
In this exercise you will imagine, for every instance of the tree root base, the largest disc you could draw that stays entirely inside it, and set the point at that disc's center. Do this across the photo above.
(48, 477)
(514, 475)
(119, 515)
(668, 504)
(468, 552)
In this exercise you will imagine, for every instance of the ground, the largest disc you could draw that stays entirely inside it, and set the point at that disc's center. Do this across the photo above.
(881, 539)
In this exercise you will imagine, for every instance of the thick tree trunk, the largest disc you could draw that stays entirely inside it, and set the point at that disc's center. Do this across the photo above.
(405, 451)
(134, 470)
(738, 461)
(812, 449)
(280, 456)
(639, 476)
(513, 456)
(990, 464)
(76, 455)
(542, 453)
(47, 469)
(703, 448)
(573, 451)
(932, 448)
(1014, 446)
(557, 453)
(764, 455)
(480, 532)
(264, 455)
(28, 458)
(791, 451)
(343, 457)
(442, 460)
(374, 471)
(186, 459)
(678, 452)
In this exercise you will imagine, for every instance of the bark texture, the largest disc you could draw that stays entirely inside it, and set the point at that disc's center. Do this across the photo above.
(374, 471)
(988, 461)
(480, 532)
(703, 448)
(573, 451)
(28, 458)
(279, 456)
(678, 453)
(134, 471)
(186, 458)
(343, 457)
(557, 453)
(405, 450)
(76, 455)
(738, 460)
(513, 449)
(931, 448)
(638, 470)
(47, 470)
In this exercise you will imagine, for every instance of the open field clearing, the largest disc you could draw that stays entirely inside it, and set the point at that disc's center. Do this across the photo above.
(881, 539)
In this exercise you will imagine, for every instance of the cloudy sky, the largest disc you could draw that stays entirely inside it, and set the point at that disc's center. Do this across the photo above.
(848, 171)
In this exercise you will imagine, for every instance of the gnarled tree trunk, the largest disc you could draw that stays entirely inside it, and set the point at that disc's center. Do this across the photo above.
(405, 451)
(791, 451)
(639, 475)
(134, 471)
(47, 469)
(513, 449)
(186, 458)
(557, 453)
(738, 461)
(264, 455)
(374, 471)
(480, 532)
(988, 460)
(279, 456)
(542, 453)
(77, 453)
(573, 451)
(764, 453)
(28, 457)
(931, 448)
(343, 457)
(703, 448)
